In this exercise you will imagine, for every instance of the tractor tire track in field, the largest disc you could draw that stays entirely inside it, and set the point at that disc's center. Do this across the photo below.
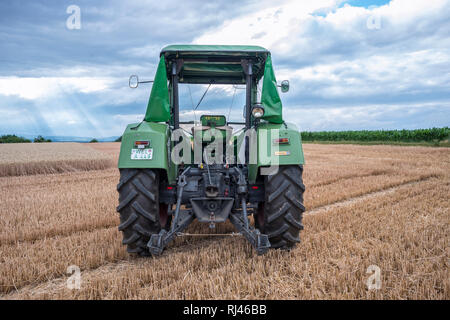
(367, 196)
(63, 178)
(348, 177)
(56, 284)
(60, 233)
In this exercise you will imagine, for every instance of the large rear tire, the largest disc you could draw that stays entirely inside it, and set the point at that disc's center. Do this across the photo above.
(141, 214)
(280, 216)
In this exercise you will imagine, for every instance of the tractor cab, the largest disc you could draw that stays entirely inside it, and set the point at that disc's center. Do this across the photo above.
(238, 67)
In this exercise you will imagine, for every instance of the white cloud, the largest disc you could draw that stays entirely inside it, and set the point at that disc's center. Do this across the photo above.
(372, 116)
(44, 87)
(150, 51)
(293, 29)
(335, 55)
(128, 118)
(265, 27)
(378, 74)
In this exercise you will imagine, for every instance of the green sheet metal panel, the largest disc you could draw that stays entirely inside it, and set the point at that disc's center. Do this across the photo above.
(157, 134)
(270, 97)
(158, 108)
(266, 147)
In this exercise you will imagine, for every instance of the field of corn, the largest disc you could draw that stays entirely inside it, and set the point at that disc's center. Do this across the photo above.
(418, 135)
(382, 206)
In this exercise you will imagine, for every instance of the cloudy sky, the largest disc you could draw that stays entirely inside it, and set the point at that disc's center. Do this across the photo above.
(351, 64)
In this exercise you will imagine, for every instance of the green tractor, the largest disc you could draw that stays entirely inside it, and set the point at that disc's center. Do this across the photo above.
(170, 176)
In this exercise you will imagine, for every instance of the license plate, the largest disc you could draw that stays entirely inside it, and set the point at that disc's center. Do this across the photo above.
(141, 154)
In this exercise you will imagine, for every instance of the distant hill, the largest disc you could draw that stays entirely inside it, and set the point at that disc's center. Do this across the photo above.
(69, 138)
(80, 139)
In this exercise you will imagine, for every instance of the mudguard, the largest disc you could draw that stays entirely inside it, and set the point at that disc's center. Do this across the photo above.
(157, 134)
(269, 153)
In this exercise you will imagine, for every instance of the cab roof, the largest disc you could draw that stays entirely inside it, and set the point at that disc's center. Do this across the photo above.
(219, 64)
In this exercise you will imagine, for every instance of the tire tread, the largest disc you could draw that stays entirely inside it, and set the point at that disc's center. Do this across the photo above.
(138, 208)
(283, 207)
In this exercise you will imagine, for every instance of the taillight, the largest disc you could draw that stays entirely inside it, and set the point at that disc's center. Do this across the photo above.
(141, 143)
(281, 141)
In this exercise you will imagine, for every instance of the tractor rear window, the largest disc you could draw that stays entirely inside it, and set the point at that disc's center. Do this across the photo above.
(197, 100)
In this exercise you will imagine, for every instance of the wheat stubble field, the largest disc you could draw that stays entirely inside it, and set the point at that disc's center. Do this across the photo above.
(366, 205)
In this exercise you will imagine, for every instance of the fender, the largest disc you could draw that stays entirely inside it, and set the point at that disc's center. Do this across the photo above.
(158, 136)
(269, 153)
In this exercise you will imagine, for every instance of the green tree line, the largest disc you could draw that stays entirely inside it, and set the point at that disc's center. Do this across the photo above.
(12, 138)
(417, 135)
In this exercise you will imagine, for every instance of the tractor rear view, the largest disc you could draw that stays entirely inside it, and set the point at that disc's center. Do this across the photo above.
(214, 172)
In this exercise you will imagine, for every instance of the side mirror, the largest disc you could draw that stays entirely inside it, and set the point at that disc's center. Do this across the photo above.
(284, 86)
(133, 82)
